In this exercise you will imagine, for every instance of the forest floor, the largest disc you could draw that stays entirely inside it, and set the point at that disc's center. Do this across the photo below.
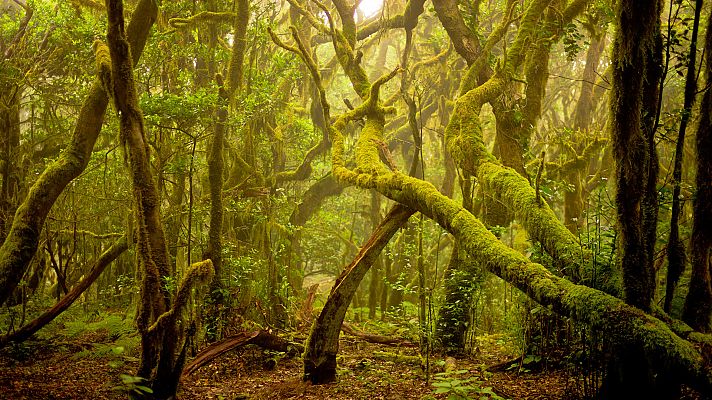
(90, 364)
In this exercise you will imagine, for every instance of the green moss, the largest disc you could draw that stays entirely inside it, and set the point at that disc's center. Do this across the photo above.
(103, 64)
(202, 17)
(527, 27)
(367, 152)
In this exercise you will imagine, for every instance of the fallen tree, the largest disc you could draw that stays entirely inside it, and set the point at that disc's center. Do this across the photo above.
(378, 339)
(265, 339)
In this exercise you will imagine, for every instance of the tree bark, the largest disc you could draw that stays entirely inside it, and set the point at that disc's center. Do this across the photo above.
(636, 162)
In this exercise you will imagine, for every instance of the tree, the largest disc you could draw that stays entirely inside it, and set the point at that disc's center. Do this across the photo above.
(698, 304)
(225, 137)
(634, 106)
(164, 334)
(630, 327)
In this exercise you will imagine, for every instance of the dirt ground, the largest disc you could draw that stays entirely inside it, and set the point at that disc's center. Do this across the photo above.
(54, 370)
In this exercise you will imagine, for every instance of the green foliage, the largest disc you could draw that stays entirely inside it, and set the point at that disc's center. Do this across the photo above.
(573, 41)
(113, 325)
(457, 388)
(113, 337)
(118, 292)
(169, 283)
(185, 108)
(116, 352)
(133, 385)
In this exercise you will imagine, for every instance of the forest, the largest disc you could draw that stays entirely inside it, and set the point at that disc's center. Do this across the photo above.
(356, 199)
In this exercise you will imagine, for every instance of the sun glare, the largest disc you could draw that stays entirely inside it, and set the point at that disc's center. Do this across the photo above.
(369, 8)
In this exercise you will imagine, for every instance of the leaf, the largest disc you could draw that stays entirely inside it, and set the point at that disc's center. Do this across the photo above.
(144, 389)
(130, 378)
(487, 390)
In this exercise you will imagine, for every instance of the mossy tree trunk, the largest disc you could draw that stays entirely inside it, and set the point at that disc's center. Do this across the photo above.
(160, 322)
(635, 79)
(175, 219)
(698, 304)
(9, 143)
(20, 245)
(216, 164)
(323, 343)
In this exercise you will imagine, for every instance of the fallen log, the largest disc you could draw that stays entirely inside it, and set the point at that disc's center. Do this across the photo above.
(378, 339)
(398, 358)
(265, 339)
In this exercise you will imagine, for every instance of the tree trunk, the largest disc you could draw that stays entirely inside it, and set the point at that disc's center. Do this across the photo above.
(634, 51)
(676, 248)
(159, 320)
(216, 167)
(323, 343)
(586, 104)
(461, 276)
(9, 142)
(375, 283)
(698, 304)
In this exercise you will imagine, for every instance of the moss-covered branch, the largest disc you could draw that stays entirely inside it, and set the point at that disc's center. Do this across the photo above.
(465, 41)
(91, 234)
(202, 17)
(199, 275)
(313, 21)
(477, 66)
(465, 142)
(671, 358)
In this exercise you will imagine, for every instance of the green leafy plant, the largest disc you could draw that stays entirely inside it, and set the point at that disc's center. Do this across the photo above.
(133, 385)
(463, 388)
